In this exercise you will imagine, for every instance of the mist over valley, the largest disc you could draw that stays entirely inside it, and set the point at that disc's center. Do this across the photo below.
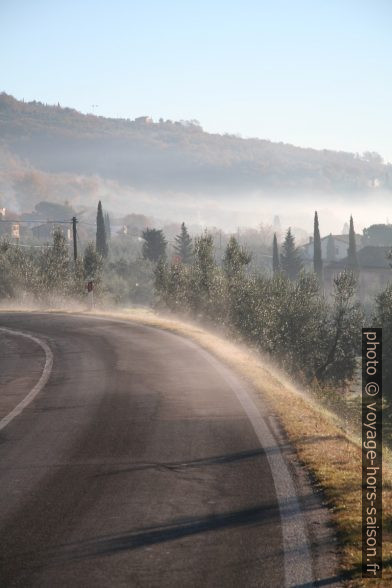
(173, 170)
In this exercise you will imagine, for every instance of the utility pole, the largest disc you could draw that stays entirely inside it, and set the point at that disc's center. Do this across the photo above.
(75, 244)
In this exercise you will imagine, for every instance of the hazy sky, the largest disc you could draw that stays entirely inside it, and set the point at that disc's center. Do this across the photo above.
(310, 72)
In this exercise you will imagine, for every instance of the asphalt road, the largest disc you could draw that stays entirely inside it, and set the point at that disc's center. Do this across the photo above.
(135, 465)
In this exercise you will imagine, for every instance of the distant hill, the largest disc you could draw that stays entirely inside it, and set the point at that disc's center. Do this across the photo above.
(51, 152)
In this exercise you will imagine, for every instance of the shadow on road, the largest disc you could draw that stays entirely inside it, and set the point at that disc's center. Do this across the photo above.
(111, 544)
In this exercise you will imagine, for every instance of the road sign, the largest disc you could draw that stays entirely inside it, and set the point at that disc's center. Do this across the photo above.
(90, 293)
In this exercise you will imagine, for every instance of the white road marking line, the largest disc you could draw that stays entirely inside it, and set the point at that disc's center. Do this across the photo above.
(297, 554)
(39, 385)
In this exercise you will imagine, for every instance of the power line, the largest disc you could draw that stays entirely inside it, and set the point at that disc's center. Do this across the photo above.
(51, 222)
(30, 246)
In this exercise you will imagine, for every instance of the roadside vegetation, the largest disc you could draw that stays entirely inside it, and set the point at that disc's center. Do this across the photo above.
(289, 320)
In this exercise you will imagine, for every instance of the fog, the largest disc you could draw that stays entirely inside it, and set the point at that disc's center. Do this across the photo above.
(22, 186)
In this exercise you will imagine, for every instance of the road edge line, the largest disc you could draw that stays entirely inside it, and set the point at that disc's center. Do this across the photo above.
(39, 385)
(294, 534)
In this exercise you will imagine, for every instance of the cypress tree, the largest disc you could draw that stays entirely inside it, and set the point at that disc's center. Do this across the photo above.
(317, 257)
(183, 245)
(101, 242)
(352, 260)
(108, 229)
(345, 229)
(290, 259)
(275, 256)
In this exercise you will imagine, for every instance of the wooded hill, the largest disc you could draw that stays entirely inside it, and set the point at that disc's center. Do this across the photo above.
(173, 156)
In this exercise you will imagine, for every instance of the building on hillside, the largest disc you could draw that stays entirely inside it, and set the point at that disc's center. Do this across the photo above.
(120, 229)
(44, 232)
(145, 120)
(3, 226)
(331, 251)
(374, 271)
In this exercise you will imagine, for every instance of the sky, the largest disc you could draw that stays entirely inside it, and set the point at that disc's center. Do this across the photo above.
(314, 73)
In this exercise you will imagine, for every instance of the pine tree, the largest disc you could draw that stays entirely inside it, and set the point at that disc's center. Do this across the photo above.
(108, 230)
(317, 257)
(352, 260)
(154, 246)
(290, 259)
(183, 245)
(331, 254)
(101, 242)
(275, 256)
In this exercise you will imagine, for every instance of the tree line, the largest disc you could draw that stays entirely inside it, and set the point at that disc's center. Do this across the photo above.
(50, 274)
(286, 315)
(289, 261)
(287, 319)
(47, 275)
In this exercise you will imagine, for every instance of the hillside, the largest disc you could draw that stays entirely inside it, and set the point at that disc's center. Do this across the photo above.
(57, 152)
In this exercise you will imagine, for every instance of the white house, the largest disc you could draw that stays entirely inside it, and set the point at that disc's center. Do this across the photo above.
(340, 248)
(145, 120)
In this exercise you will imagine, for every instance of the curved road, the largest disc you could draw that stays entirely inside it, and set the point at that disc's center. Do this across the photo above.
(135, 465)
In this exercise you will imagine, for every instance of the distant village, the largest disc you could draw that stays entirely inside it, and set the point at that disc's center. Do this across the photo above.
(373, 247)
